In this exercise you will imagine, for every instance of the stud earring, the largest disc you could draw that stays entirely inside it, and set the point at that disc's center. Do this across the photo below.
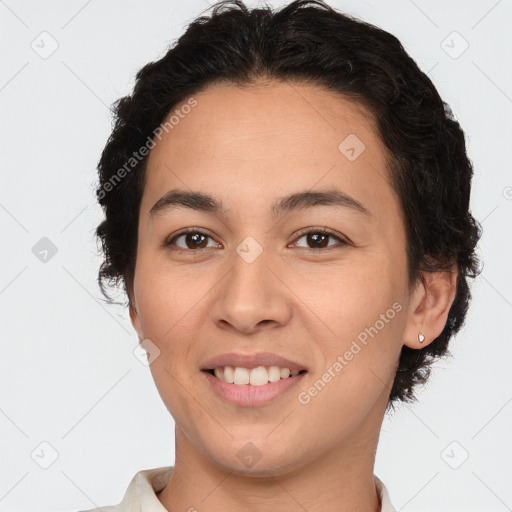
(421, 337)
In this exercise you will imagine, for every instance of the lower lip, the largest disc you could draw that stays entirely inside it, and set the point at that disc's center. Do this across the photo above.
(246, 395)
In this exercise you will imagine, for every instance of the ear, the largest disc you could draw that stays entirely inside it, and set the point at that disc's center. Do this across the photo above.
(134, 314)
(429, 306)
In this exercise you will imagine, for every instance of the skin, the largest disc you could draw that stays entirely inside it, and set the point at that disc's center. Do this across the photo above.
(249, 147)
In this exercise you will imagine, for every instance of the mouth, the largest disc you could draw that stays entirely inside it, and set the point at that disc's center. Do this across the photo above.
(256, 387)
(236, 367)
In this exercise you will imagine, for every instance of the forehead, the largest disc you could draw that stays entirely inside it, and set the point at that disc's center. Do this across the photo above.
(275, 136)
(272, 115)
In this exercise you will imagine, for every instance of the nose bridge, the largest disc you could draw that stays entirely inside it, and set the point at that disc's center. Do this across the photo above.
(250, 275)
(251, 293)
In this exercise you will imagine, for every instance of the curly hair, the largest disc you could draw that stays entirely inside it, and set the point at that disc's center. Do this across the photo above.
(309, 42)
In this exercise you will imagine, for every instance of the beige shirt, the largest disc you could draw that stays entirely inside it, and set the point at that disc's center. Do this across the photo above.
(141, 493)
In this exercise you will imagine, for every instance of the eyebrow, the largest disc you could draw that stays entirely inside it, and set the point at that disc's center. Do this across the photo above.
(202, 202)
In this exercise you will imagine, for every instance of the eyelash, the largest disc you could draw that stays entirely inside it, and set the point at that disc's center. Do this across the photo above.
(306, 231)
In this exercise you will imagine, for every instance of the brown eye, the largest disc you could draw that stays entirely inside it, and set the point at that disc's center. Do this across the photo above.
(319, 238)
(193, 240)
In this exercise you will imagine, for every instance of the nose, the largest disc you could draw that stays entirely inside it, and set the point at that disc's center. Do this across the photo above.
(252, 296)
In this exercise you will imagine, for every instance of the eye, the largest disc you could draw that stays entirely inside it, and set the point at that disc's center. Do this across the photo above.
(318, 237)
(194, 240)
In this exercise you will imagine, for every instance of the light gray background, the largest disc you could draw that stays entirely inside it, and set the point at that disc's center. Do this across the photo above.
(68, 374)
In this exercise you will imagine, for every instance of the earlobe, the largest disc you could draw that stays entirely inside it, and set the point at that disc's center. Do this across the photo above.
(430, 306)
(135, 319)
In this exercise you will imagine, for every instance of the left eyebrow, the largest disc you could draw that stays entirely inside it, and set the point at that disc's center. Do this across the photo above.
(199, 201)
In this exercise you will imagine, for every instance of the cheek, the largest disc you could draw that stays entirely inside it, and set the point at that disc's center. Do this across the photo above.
(169, 304)
(345, 300)
(356, 326)
(169, 298)
(357, 370)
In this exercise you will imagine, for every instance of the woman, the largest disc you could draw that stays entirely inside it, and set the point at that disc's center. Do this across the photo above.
(286, 203)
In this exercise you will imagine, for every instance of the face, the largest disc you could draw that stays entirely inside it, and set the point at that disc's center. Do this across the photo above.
(319, 282)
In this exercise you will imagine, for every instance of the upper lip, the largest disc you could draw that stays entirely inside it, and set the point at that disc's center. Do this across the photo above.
(250, 361)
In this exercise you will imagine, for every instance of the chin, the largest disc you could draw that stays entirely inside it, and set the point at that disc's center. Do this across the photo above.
(257, 457)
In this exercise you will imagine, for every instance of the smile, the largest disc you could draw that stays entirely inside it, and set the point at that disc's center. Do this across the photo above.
(251, 388)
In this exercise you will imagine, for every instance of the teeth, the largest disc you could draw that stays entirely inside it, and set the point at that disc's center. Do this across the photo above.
(241, 376)
(274, 374)
(229, 373)
(256, 377)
